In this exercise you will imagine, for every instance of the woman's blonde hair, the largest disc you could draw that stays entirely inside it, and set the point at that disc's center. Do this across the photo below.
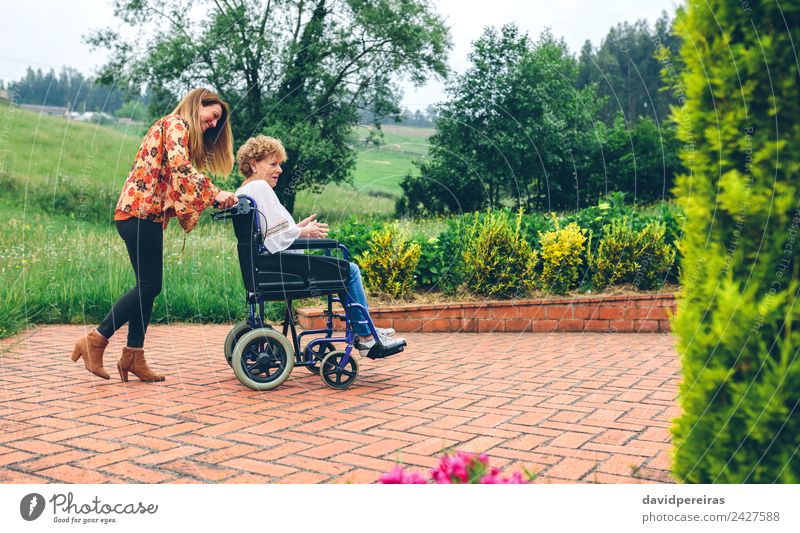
(211, 150)
(258, 148)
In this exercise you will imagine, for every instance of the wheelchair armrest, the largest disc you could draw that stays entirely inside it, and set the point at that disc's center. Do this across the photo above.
(313, 244)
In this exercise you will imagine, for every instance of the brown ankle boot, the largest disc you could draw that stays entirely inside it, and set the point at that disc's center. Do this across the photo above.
(132, 361)
(91, 348)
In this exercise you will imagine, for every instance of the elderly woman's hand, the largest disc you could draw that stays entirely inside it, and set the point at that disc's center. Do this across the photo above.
(303, 223)
(313, 229)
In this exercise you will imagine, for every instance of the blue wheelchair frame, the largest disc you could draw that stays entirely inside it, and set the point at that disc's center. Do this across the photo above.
(317, 347)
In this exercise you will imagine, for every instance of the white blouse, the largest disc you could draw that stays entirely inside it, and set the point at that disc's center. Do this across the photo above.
(277, 225)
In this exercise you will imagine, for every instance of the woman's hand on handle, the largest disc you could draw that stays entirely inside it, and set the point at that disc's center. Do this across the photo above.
(225, 199)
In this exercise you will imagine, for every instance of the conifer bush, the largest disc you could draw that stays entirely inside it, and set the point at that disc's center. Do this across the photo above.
(737, 320)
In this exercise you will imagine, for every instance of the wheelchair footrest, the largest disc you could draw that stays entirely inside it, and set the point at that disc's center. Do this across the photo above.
(379, 351)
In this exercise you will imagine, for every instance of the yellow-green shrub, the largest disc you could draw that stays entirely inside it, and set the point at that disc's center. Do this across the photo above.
(642, 258)
(654, 257)
(498, 260)
(562, 258)
(389, 263)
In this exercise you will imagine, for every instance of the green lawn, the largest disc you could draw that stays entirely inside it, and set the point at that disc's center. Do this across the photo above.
(399, 137)
(337, 202)
(59, 269)
(381, 168)
(38, 149)
(55, 269)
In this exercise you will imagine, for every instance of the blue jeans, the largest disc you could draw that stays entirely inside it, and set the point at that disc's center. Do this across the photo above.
(355, 291)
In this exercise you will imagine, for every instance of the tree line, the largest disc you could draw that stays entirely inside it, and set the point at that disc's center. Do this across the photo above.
(530, 125)
(77, 92)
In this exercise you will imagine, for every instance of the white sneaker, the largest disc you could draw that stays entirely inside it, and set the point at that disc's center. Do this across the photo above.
(384, 332)
(364, 347)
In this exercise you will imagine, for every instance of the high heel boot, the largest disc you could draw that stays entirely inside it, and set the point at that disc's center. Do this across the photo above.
(132, 361)
(91, 348)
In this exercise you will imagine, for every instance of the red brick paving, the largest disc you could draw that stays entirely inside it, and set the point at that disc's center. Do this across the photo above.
(574, 407)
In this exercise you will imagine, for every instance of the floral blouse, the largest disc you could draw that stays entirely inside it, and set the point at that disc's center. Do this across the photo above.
(163, 183)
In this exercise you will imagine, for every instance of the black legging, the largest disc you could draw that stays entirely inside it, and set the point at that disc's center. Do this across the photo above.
(145, 242)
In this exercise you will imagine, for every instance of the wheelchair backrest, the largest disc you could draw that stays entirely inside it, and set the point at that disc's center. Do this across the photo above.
(246, 224)
(249, 240)
(278, 275)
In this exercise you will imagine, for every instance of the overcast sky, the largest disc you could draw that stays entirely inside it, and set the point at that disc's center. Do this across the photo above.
(48, 33)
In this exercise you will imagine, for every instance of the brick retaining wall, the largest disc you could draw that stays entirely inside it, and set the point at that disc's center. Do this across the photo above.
(646, 313)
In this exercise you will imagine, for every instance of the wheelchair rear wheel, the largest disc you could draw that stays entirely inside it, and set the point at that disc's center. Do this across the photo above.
(262, 359)
(335, 377)
(233, 336)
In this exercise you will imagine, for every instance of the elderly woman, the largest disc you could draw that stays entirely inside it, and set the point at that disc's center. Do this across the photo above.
(260, 161)
(165, 182)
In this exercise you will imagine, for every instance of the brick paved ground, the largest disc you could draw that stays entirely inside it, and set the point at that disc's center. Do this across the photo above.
(575, 407)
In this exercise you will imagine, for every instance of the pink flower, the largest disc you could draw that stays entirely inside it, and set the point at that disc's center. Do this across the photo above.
(516, 478)
(398, 475)
(393, 477)
(494, 478)
(461, 467)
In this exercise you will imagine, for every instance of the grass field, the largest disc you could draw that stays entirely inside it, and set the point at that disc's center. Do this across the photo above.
(56, 269)
(41, 151)
(382, 168)
(376, 178)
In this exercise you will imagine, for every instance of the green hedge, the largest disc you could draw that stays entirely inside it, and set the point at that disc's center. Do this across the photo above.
(737, 320)
(499, 253)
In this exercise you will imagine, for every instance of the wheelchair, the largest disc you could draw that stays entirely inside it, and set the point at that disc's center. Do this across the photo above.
(261, 357)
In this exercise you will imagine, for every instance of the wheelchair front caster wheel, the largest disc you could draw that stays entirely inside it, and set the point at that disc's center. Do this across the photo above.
(318, 353)
(334, 374)
(233, 336)
(262, 359)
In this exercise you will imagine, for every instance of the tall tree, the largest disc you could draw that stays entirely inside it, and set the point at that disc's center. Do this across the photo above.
(737, 320)
(639, 159)
(296, 69)
(515, 127)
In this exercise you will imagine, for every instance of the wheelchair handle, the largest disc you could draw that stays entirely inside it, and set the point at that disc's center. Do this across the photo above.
(243, 207)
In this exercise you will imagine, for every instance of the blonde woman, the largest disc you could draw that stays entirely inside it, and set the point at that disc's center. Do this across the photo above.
(165, 182)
